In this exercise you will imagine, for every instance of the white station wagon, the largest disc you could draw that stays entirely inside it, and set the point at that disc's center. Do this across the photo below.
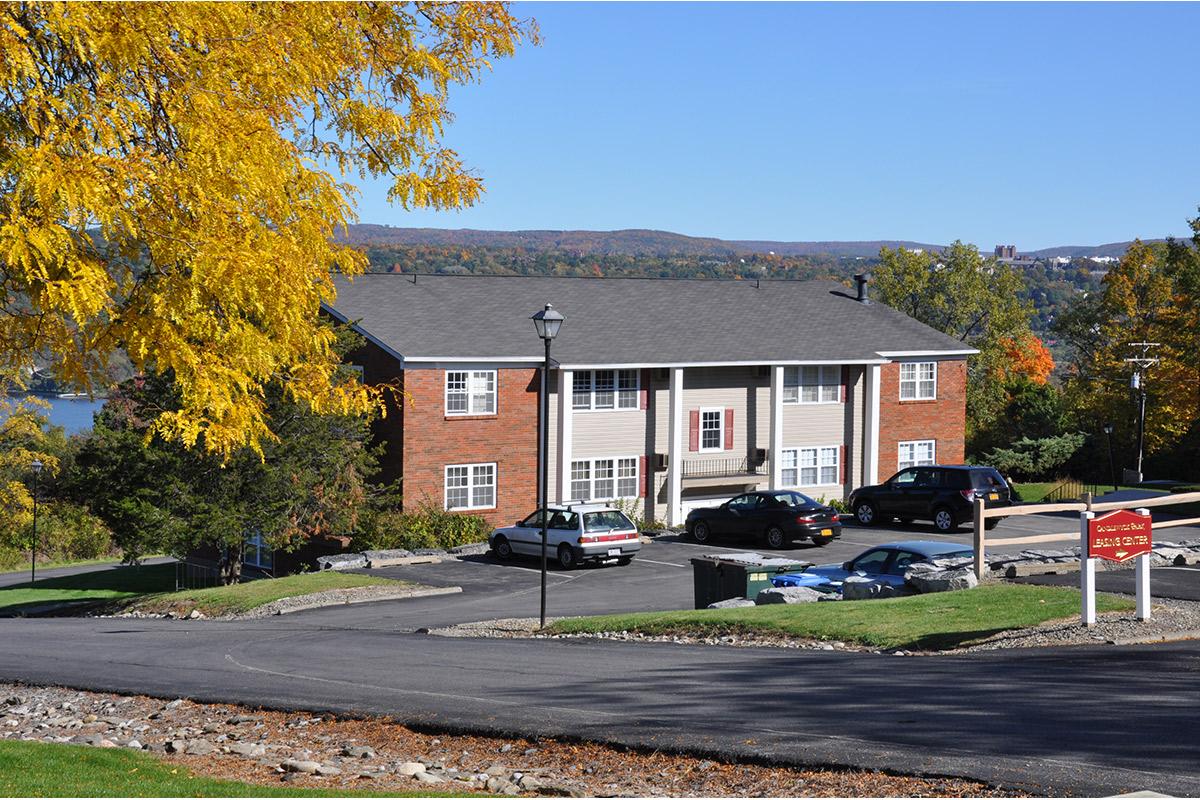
(575, 534)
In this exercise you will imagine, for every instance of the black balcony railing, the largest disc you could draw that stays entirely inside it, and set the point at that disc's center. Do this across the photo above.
(723, 467)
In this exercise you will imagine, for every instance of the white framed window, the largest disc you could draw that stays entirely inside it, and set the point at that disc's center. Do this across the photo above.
(918, 380)
(811, 466)
(604, 478)
(258, 553)
(470, 486)
(812, 384)
(470, 392)
(605, 389)
(712, 429)
(915, 454)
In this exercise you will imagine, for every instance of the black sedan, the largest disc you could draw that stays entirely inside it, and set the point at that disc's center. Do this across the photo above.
(776, 519)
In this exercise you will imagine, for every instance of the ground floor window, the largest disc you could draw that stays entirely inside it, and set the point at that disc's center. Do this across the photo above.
(604, 479)
(257, 553)
(470, 486)
(915, 454)
(811, 466)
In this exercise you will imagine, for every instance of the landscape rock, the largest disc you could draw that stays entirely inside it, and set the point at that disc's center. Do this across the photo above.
(733, 602)
(248, 749)
(342, 561)
(134, 744)
(303, 766)
(476, 549)
(529, 783)
(106, 743)
(857, 587)
(199, 747)
(410, 768)
(926, 578)
(787, 594)
(326, 771)
(358, 751)
(428, 777)
(429, 551)
(177, 746)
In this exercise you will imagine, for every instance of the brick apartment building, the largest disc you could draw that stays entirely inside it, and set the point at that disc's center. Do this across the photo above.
(665, 393)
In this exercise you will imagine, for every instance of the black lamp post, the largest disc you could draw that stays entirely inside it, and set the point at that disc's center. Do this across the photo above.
(547, 322)
(1112, 465)
(36, 466)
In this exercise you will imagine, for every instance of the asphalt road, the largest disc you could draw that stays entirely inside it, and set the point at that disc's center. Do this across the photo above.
(1070, 720)
(1180, 583)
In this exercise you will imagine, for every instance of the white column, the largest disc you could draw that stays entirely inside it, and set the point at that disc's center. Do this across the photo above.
(871, 420)
(1087, 573)
(565, 392)
(776, 451)
(675, 450)
(1142, 577)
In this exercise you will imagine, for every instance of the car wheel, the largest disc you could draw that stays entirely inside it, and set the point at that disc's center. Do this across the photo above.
(624, 561)
(821, 541)
(701, 533)
(502, 548)
(944, 521)
(866, 514)
(774, 538)
(566, 557)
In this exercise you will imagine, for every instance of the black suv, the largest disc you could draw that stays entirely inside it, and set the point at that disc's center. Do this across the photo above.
(943, 494)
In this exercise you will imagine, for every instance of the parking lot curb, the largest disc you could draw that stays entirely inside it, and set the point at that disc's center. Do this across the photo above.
(397, 595)
(1178, 636)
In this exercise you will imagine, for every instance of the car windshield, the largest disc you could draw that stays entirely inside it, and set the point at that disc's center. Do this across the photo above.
(795, 499)
(605, 521)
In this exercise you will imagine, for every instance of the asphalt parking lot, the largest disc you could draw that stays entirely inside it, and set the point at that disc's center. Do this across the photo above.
(660, 578)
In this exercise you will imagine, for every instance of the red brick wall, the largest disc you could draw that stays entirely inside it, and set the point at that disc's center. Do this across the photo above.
(509, 438)
(943, 420)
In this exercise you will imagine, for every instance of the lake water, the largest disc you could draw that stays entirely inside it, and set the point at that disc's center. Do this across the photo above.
(72, 413)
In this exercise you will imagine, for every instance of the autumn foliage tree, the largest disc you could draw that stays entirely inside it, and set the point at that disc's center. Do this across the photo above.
(166, 186)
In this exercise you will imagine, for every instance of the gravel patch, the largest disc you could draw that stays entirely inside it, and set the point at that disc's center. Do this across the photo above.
(305, 750)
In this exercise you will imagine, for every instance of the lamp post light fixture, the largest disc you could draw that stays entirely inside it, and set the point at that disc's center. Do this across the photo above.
(1112, 465)
(36, 466)
(546, 322)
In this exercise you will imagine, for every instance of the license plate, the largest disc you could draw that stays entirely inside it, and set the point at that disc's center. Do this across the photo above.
(993, 496)
(827, 532)
(614, 551)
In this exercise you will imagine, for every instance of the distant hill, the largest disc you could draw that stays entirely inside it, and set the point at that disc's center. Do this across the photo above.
(626, 242)
(637, 242)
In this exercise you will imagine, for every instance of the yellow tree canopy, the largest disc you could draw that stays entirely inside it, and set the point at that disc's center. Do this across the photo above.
(165, 184)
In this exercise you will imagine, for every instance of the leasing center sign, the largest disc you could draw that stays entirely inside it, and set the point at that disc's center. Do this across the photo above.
(1118, 536)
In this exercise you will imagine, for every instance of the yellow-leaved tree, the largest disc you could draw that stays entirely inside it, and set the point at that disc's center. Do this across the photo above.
(166, 186)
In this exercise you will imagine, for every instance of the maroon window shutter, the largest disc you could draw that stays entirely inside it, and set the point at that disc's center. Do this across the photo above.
(644, 394)
(644, 483)
(694, 431)
(729, 429)
(842, 463)
(845, 383)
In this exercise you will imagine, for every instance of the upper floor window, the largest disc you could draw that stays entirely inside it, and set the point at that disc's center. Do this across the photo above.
(712, 429)
(815, 384)
(471, 392)
(918, 380)
(604, 389)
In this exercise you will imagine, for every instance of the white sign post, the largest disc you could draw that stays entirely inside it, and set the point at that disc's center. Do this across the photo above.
(1087, 572)
(1142, 576)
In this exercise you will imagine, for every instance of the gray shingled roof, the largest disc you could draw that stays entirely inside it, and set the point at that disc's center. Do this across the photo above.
(629, 320)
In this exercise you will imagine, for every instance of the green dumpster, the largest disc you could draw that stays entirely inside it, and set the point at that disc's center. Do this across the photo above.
(716, 578)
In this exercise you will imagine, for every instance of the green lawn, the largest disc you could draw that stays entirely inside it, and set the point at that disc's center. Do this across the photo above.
(924, 622)
(151, 588)
(38, 769)
(1036, 492)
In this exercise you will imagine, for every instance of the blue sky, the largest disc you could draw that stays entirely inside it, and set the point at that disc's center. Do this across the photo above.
(1029, 124)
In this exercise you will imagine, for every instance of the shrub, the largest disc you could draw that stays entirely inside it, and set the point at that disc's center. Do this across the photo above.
(11, 558)
(428, 526)
(836, 503)
(66, 532)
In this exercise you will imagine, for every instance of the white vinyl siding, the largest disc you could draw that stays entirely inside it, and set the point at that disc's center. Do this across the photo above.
(470, 486)
(812, 385)
(811, 466)
(915, 454)
(918, 380)
(605, 390)
(470, 392)
(712, 429)
(604, 479)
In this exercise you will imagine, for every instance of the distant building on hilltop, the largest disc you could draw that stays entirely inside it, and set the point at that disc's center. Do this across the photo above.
(1006, 251)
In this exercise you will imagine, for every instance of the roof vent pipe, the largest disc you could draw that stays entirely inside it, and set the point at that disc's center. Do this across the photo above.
(862, 280)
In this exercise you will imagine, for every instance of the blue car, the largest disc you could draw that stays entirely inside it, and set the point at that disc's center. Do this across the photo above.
(887, 562)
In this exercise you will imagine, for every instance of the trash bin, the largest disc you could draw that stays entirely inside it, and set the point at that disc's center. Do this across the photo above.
(716, 578)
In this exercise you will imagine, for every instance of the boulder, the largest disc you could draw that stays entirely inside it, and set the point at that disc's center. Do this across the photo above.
(733, 602)
(410, 768)
(476, 549)
(788, 595)
(428, 777)
(248, 749)
(327, 771)
(343, 561)
(199, 747)
(858, 587)
(925, 578)
(358, 751)
(300, 765)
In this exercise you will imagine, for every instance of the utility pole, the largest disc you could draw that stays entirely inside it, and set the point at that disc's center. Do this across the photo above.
(1141, 364)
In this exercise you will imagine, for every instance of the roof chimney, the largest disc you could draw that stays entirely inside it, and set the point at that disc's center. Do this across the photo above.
(862, 280)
